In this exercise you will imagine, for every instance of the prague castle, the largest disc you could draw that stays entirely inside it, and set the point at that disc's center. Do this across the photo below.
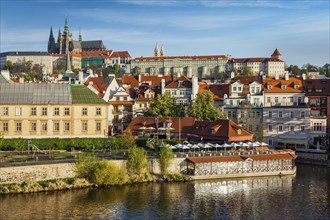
(65, 41)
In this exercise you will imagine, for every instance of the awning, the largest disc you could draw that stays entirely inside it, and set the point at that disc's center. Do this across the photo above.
(293, 141)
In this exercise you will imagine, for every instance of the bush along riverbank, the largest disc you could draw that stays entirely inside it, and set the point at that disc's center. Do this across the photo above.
(102, 173)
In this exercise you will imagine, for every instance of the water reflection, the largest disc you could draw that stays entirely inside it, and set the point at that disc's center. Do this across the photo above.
(304, 196)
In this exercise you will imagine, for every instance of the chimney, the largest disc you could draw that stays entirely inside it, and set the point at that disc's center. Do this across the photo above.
(21, 80)
(194, 87)
(163, 86)
(232, 75)
(139, 79)
(90, 83)
(277, 77)
(178, 74)
(286, 76)
(5, 74)
(81, 77)
(304, 76)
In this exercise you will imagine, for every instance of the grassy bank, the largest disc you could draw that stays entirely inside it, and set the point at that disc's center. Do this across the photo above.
(78, 183)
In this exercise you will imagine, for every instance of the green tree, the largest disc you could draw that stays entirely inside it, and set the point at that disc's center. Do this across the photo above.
(116, 68)
(137, 163)
(203, 108)
(8, 66)
(247, 71)
(295, 70)
(164, 106)
(165, 157)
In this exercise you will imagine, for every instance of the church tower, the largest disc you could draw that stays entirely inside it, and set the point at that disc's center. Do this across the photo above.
(156, 51)
(277, 55)
(59, 42)
(51, 42)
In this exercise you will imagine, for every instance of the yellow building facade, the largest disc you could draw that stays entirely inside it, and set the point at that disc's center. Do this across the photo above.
(77, 112)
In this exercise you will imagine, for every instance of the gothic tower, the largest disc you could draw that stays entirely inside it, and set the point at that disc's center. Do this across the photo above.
(156, 51)
(162, 52)
(59, 42)
(51, 42)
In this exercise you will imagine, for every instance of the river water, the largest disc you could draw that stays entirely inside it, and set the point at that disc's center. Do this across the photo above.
(303, 196)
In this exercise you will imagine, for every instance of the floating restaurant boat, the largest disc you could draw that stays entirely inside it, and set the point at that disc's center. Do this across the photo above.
(269, 163)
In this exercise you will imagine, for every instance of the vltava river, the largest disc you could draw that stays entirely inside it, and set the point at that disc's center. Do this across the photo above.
(304, 196)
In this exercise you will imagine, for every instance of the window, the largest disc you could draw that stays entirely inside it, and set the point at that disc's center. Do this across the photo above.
(270, 142)
(84, 126)
(84, 111)
(270, 114)
(44, 111)
(67, 126)
(56, 126)
(33, 111)
(173, 92)
(234, 89)
(182, 92)
(269, 87)
(302, 128)
(280, 128)
(98, 111)
(291, 99)
(56, 111)
(252, 90)
(276, 99)
(270, 128)
(239, 88)
(291, 114)
(269, 99)
(317, 126)
(212, 131)
(5, 126)
(18, 126)
(296, 86)
(318, 90)
(18, 110)
(291, 127)
(280, 114)
(302, 114)
(33, 126)
(299, 100)
(98, 126)
(44, 126)
(66, 111)
(283, 87)
(5, 111)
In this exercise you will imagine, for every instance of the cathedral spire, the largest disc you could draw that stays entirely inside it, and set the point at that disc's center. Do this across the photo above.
(66, 26)
(80, 37)
(162, 52)
(51, 42)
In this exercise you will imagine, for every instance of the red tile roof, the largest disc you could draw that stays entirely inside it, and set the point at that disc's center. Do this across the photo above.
(254, 60)
(276, 52)
(96, 53)
(246, 79)
(218, 90)
(182, 57)
(224, 130)
(312, 85)
(99, 84)
(121, 54)
(186, 83)
(281, 156)
(121, 103)
(277, 85)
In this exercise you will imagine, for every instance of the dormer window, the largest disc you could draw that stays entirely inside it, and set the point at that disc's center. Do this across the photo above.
(269, 87)
(283, 87)
(212, 131)
(239, 131)
(296, 86)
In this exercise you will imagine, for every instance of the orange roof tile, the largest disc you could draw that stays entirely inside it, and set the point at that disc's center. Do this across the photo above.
(121, 54)
(174, 84)
(276, 85)
(182, 57)
(121, 103)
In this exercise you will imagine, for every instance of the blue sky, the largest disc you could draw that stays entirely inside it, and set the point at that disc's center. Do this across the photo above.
(299, 29)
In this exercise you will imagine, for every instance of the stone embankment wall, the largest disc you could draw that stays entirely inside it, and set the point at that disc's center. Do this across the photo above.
(35, 173)
(312, 158)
